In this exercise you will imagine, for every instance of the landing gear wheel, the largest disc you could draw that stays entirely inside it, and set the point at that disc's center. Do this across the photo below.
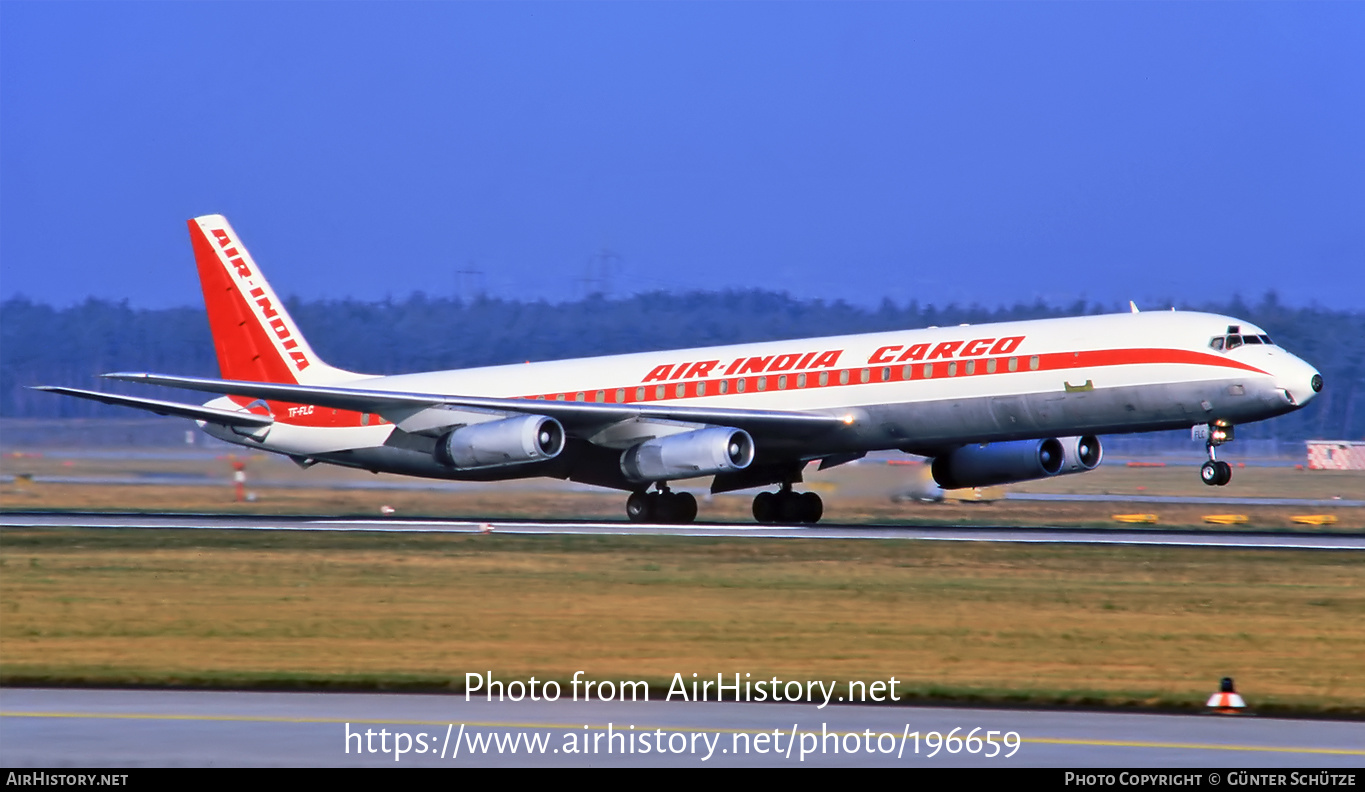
(684, 507)
(1215, 473)
(640, 507)
(765, 507)
(787, 507)
(812, 508)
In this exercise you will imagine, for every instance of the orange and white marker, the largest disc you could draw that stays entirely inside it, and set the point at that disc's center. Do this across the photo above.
(1226, 701)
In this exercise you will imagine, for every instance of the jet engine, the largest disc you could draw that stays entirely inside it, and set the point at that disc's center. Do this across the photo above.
(703, 452)
(999, 463)
(1080, 454)
(511, 441)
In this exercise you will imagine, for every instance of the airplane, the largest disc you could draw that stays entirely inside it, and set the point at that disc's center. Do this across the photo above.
(990, 404)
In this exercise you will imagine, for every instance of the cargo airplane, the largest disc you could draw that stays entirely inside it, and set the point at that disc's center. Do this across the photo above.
(990, 404)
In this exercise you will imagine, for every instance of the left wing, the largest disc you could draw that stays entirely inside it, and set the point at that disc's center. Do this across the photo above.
(580, 419)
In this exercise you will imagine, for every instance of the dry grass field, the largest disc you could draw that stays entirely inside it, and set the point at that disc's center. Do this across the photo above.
(1126, 626)
(1101, 625)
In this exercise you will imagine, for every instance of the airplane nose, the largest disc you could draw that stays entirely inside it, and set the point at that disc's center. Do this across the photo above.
(1300, 382)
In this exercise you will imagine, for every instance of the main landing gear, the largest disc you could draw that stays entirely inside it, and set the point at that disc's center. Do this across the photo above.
(1213, 472)
(665, 506)
(785, 506)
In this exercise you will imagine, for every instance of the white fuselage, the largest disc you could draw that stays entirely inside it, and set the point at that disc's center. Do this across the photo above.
(917, 390)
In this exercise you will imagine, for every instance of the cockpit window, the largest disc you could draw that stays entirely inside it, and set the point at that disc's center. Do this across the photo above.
(1229, 342)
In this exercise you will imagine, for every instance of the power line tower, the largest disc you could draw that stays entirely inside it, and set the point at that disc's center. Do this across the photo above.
(469, 284)
(599, 273)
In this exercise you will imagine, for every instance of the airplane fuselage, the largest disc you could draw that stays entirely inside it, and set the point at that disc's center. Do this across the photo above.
(920, 391)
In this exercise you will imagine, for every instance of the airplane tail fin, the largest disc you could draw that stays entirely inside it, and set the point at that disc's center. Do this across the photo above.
(253, 334)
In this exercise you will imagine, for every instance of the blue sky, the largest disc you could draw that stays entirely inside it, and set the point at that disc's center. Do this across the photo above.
(947, 152)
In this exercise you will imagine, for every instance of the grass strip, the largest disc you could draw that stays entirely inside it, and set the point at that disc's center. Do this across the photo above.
(969, 623)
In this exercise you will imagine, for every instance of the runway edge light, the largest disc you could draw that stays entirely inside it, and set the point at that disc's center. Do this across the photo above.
(1226, 701)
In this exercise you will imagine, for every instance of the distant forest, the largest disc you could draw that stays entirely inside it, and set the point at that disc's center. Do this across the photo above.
(40, 344)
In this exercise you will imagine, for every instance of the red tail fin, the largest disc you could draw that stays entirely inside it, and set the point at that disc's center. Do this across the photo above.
(253, 334)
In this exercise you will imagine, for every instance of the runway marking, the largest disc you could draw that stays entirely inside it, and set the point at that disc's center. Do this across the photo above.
(577, 726)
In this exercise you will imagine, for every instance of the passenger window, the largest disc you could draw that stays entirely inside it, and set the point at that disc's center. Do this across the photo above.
(701, 388)
(824, 378)
(724, 387)
(681, 390)
(639, 394)
(1033, 363)
(620, 395)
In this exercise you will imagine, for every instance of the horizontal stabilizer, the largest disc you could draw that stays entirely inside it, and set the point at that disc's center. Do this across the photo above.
(195, 412)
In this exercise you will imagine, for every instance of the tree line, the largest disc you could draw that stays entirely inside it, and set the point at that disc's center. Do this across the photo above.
(42, 344)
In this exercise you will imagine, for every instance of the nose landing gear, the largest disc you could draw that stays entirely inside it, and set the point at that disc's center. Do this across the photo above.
(1213, 472)
(786, 506)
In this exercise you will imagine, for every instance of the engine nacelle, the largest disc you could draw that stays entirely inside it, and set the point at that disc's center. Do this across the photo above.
(512, 441)
(1080, 454)
(999, 463)
(704, 452)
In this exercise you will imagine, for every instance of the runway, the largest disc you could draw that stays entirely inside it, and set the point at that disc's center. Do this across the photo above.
(1212, 539)
(402, 485)
(131, 728)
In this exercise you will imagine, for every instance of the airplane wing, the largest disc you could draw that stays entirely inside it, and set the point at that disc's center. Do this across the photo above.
(579, 418)
(244, 420)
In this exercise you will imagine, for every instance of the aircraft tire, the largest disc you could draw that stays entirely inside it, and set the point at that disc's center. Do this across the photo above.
(640, 507)
(1210, 473)
(1224, 474)
(684, 507)
(812, 508)
(765, 507)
